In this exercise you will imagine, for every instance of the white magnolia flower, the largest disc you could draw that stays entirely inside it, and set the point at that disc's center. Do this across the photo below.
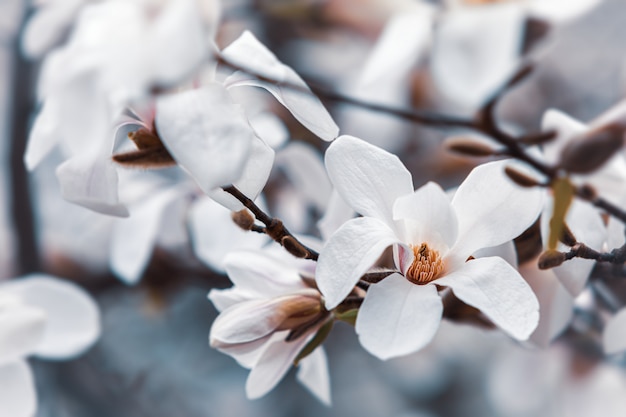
(267, 318)
(45, 317)
(432, 240)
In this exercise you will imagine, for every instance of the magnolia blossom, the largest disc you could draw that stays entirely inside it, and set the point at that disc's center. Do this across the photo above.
(432, 240)
(42, 316)
(268, 317)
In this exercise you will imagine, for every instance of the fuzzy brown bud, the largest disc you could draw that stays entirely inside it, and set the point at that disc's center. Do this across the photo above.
(550, 259)
(469, 147)
(520, 178)
(243, 218)
(589, 152)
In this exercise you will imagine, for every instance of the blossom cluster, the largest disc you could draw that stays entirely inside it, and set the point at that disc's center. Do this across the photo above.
(152, 121)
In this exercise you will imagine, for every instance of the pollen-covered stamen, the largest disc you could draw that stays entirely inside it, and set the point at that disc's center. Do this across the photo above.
(427, 265)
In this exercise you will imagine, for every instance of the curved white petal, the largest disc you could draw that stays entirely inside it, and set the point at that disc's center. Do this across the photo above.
(22, 328)
(367, 177)
(556, 305)
(270, 128)
(17, 390)
(313, 374)
(398, 317)
(248, 53)
(427, 217)
(587, 226)
(253, 177)
(262, 275)
(273, 364)
(491, 209)
(304, 167)
(226, 298)
(215, 235)
(134, 238)
(47, 26)
(44, 135)
(505, 251)
(566, 128)
(246, 354)
(614, 336)
(498, 290)
(476, 50)
(91, 181)
(348, 254)
(206, 134)
(561, 10)
(73, 318)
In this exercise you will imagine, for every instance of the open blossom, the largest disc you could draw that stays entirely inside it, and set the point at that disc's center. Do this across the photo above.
(268, 317)
(432, 240)
(45, 317)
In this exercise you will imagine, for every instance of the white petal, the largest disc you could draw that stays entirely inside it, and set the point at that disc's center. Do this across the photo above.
(223, 299)
(566, 127)
(261, 274)
(134, 238)
(402, 42)
(495, 288)
(91, 181)
(17, 390)
(476, 50)
(491, 209)
(304, 167)
(214, 234)
(505, 251)
(337, 213)
(206, 134)
(428, 217)
(368, 178)
(556, 305)
(348, 254)
(270, 128)
(398, 317)
(43, 137)
(272, 365)
(73, 318)
(247, 354)
(587, 226)
(614, 337)
(21, 330)
(561, 10)
(253, 178)
(248, 53)
(313, 374)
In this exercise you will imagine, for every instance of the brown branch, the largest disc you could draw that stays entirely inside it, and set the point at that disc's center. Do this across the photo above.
(274, 228)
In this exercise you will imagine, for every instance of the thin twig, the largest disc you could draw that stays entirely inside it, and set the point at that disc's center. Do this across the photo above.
(274, 228)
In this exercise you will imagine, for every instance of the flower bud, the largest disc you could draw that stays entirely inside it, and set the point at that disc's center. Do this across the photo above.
(587, 153)
(520, 178)
(243, 218)
(550, 259)
(469, 147)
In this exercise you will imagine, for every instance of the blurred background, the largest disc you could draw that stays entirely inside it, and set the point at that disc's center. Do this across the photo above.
(153, 358)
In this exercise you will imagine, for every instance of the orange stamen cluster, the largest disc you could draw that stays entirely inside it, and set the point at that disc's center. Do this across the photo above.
(427, 265)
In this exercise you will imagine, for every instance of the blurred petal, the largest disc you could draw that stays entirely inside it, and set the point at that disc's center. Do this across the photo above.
(556, 305)
(476, 50)
(43, 137)
(561, 10)
(206, 134)
(248, 53)
(304, 167)
(272, 365)
(17, 390)
(134, 238)
(491, 209)
(73, 318)
(270, 128)
(214, 234)
(253, 177)
(337, 213)
(428, 217)
(566, 128)
(367, 177)
(495, 288)
(398, 317)
(614, 337)
(22, 328)
(313, 374)
(348, 254)
(91, 181)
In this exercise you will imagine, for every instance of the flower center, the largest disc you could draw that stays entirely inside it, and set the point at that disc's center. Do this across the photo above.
(427, 265)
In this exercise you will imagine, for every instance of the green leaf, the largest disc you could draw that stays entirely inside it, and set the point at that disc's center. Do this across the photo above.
(563, 191)
(317, 340)
(348, 316)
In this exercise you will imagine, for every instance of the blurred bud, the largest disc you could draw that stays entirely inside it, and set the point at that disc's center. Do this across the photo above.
(587, 192)
(294, 247)
(535, 31)
(469, 146)
(243, 218)
(520, 178)
(151, 152)
(539, 138)
(587, 153)
(550, 259)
